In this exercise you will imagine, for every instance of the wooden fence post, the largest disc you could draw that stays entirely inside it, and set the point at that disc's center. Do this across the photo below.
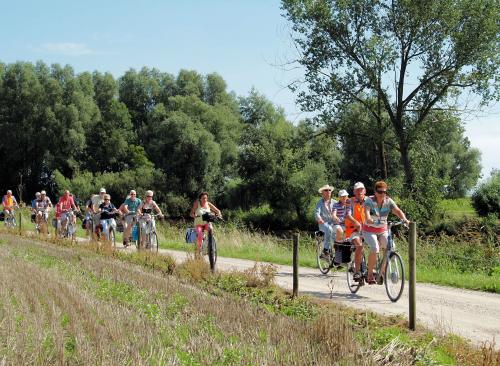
(413, 275)
(295, 265)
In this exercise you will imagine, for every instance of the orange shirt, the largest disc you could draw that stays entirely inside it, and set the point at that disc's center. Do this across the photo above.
(358, 212)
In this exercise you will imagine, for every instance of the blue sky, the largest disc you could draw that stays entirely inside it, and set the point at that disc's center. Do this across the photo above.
(243, 41)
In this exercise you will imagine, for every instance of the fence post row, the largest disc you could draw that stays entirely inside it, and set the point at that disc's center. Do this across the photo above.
(295, 265)
(413, 275)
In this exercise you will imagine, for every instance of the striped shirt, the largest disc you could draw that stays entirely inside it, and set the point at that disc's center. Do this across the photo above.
(342, 210)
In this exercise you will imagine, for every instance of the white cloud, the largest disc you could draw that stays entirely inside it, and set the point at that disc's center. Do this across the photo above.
(66, 48)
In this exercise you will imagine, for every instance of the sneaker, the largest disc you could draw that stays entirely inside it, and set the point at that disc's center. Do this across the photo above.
(325, 254)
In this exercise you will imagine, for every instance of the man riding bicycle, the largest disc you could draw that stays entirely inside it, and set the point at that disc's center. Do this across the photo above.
(354, 226)
(66, 204)
(129, 209)
(324, 217)
(33, 206)
(42, 208)
(93, 210)
(9, 203)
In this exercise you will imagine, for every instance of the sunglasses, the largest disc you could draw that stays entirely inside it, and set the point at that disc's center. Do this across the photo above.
(382, 192)
(132, 194)
(149, 196)
(106, 199)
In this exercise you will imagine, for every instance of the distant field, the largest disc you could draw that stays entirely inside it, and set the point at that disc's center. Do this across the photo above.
(458, 207)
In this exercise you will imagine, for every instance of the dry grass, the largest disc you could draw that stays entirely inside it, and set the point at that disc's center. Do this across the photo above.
(63, 305)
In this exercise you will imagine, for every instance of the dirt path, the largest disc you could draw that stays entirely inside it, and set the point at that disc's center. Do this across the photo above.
(472, 314)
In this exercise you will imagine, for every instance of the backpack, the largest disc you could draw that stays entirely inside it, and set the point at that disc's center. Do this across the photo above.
(190, 235)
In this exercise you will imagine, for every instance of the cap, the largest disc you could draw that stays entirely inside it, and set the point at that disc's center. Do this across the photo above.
(102, 190)
(359, 185)
(43, 192)
(343, 193)
(37, 194)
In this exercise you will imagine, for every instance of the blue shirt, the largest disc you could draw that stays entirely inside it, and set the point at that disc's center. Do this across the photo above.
(324, 210)
(132, 205)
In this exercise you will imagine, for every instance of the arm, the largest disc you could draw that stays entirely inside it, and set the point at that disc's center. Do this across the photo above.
(193, 209)
(215, 209)
(335, 217)
(369, 219)
(399, 213)
(317, 213)
(139, 209)
(158, 210)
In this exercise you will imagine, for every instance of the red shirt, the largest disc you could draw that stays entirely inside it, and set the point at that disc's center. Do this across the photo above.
(66, 203)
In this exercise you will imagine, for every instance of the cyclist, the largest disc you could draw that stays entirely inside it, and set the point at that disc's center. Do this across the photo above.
(145, 210)
(354, 225)
(107, 213)
(129, 209)
(341, 210)
(200, 207)
(66, 204)
(9, 203)
(324, 217)
(375, 232)
(42, 208)
(93, 209)
(33, 206)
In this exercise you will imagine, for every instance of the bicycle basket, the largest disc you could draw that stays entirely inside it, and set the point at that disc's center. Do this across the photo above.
(342, 253)
(209, 217)
(190, 235)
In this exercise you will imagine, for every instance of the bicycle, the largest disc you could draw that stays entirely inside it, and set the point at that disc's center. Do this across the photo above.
(393, 271)
(10, 220)
(325, 263)
(148, 230)
(135, 226)
(70, 229)
(209, 240)
(41, 222)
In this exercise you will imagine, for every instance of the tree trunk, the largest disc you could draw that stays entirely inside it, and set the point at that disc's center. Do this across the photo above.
(407, 166)
(382, 160)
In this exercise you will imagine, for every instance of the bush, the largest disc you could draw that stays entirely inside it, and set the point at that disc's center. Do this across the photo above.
(486, 199)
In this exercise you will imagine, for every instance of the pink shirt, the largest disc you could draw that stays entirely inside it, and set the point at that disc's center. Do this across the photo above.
(66, 203)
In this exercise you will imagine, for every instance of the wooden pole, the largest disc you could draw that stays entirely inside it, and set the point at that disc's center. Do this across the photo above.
(412, 255)
(20, 222)
(295, 265)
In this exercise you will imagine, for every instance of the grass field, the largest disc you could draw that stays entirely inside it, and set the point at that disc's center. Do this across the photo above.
(86, 305)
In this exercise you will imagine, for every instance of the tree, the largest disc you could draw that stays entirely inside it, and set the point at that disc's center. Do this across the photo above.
(412, 57)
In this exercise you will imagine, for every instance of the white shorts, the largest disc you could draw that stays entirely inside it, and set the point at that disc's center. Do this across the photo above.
(376, 241)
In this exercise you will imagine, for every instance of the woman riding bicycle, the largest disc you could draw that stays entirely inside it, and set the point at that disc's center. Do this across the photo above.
(145, 211)
(375, 232)
(200, 207)
(107, 212)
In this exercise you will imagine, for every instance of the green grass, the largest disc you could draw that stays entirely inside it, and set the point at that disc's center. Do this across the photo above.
(458, 207)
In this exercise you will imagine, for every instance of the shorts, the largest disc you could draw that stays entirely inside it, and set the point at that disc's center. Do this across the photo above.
(128, 218)
(337, 226)
(355, 235)
(376, 241)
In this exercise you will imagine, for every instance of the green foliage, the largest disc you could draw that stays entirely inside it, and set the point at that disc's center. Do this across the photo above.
(486, 199)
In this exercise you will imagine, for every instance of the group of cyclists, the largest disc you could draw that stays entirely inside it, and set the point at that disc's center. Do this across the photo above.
(101, 213)
(356, 219)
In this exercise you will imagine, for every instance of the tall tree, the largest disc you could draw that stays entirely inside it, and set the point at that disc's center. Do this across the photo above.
(411, 56)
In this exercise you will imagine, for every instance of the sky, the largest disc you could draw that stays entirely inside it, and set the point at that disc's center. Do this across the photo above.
(247, 42)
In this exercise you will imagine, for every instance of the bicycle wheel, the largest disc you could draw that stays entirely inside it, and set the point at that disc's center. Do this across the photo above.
(394, 277)
(212, 251)
(112, 237)
(154, 241)
(323, 263)
(353, 285)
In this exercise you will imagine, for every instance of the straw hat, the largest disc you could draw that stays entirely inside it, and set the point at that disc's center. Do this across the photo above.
(325, 188)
